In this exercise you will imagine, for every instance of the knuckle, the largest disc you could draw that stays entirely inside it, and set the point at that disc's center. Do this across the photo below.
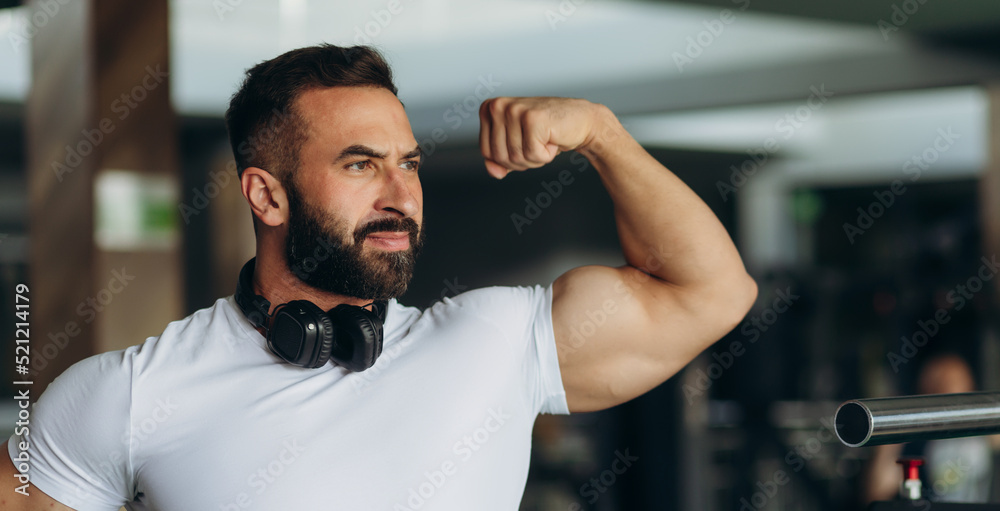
(515, 111)
(534, 152)
(533, 117)
(514, 149)
(496, 107)
(499, 154)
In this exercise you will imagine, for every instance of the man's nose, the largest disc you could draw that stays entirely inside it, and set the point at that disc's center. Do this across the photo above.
(397, 194)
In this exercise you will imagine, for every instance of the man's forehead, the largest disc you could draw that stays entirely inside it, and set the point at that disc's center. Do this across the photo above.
(356, 115)
(357, 104)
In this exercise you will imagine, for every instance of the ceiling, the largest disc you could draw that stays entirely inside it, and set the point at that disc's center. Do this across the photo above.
(970, 24)
(624, 53)
(631, 55)
(928, 17)
(941, 18)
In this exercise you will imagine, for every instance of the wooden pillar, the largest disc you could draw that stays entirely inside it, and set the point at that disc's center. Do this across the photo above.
(990, 183)
(105, 266)
(989, 208)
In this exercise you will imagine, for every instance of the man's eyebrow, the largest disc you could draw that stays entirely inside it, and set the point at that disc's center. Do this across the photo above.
(414, 153)
(360, 150)
(363, 150)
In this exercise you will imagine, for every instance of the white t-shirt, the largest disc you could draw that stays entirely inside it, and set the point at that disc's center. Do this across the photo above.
(204, 417)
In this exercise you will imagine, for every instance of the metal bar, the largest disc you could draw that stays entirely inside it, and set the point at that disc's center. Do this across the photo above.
(893, 420)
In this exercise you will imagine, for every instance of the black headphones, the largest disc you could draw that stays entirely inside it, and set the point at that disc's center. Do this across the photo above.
(302, 334)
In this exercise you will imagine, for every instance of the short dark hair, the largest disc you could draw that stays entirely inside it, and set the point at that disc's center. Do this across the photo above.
(264, 129)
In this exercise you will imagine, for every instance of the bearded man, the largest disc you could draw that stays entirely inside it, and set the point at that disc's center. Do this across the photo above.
(266, 400)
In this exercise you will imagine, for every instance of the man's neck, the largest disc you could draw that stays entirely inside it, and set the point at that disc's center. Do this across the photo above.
(274, 281)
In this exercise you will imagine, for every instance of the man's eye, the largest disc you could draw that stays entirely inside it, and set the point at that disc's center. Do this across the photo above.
(411, 165)
(360, 166)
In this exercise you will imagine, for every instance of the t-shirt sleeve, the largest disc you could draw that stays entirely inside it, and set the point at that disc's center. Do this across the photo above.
(541, 356)
(79, 435)
(524, 314)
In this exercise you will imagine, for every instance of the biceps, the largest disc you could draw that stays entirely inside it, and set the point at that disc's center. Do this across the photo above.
(619, 333)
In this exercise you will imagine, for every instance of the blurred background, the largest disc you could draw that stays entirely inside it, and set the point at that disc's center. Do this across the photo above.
(852, 150)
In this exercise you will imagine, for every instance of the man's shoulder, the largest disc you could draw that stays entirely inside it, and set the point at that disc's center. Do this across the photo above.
(221, 314)
(198, 330)
(211, 333)
(492, 296)
(502, 306)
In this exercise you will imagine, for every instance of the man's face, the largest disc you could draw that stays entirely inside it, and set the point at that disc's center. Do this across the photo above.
(355, 203)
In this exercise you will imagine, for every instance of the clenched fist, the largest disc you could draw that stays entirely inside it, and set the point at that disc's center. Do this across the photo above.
(525, 133)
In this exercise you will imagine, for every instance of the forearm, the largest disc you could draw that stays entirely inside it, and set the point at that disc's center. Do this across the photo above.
(665, 229)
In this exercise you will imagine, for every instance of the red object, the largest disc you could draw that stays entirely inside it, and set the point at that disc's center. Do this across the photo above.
(911, 466)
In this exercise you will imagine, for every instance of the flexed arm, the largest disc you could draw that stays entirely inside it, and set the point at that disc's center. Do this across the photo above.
(622, 331)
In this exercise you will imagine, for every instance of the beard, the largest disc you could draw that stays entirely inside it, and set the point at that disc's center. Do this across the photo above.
(324, 254)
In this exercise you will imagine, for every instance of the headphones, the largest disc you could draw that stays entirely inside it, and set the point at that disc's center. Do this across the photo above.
(302, 334)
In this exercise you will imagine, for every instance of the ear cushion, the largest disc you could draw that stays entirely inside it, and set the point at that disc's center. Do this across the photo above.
(359, 337)
(326, 337)
(292, 339)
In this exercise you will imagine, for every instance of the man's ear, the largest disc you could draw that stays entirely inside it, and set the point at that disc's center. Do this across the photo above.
(266, 196)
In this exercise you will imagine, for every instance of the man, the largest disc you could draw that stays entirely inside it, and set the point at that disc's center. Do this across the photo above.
(957, 469)
(207, 417)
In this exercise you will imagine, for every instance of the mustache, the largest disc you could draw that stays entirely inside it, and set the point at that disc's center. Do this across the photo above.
(408, 225)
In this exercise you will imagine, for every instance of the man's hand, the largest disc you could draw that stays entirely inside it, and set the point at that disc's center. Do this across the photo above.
(526, 133)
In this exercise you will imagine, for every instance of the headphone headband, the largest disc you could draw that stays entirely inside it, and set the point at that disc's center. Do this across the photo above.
(256, 308)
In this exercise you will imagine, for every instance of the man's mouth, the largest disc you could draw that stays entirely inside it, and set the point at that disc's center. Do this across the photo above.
(389, 240)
